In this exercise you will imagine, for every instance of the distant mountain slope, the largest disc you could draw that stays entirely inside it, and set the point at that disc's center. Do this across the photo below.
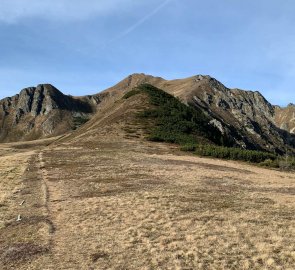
(42, 111)
(285, 118)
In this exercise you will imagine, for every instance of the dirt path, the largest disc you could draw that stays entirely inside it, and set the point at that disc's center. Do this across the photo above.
(24, 195)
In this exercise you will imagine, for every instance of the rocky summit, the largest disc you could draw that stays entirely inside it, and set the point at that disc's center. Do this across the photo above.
(42, 111)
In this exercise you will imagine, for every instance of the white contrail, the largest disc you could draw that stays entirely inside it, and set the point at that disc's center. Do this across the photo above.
(140, 22)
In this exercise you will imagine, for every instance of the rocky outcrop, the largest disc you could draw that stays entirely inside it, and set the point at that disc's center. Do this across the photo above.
(42, 111)
(245, 116)
(285, 117)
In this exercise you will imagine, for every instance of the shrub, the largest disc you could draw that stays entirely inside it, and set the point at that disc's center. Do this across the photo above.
(234, 153)
(269, 163)
(189, 147)
(131, 93)
(79, 121)
(286, 163)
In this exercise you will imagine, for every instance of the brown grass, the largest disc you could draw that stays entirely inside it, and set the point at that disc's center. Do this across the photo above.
(131, 204)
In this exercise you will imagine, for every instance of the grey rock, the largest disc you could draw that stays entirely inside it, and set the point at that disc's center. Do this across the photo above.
(41, 111)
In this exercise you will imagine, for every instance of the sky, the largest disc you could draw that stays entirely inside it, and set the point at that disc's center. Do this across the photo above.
(85, 46)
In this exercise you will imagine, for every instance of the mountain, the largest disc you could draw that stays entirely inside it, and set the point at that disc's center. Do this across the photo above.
(245, 117)
(42, 111)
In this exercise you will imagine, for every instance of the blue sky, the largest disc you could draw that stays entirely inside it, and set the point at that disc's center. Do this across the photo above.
(85, 46)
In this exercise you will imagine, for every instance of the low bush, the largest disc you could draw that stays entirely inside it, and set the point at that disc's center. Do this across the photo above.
(79, 121)
(131, 93)
(189, 147)
(286, 163)
(282, 162)
(234, 153)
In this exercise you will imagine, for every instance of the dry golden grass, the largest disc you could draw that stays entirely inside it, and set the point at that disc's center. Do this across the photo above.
(22, 193)
(131, 204)
(12, 167)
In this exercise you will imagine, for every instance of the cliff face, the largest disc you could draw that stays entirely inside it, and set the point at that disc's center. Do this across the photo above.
(246, 116)
(41, 111)
(285, 118)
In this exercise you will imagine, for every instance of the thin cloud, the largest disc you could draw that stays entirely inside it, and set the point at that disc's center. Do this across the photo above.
(14, 11)
(138, 23)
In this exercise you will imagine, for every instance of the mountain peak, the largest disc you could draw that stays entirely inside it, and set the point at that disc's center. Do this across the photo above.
(40, 111)
(201, 77)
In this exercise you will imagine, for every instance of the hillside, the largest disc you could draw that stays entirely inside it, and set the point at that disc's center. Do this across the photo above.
(244, 116)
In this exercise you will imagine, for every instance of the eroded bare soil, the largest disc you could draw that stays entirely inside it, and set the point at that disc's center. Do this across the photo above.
(130, 204)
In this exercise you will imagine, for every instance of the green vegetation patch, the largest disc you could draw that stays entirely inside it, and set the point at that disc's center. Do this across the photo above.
(173, 121)
(264, 159)
(234, 153)
(282, 162)
(131, 93)
(78, 121)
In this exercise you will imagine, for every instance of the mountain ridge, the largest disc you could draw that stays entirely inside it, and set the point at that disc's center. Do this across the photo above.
(249, 112)
(245, 116)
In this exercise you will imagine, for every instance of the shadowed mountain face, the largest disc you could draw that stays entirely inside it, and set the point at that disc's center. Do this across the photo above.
(42, 111)
(245, 117)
